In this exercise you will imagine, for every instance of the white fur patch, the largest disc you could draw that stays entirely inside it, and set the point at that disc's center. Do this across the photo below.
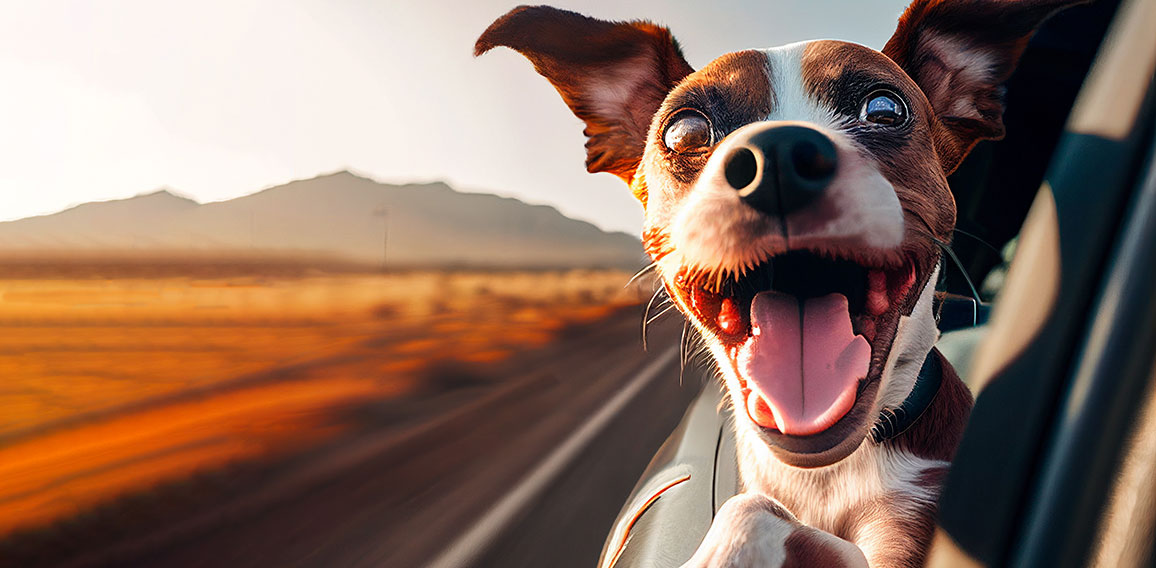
(860, 209)
(914, 338)
(792, 100)
(715, 231)
(751, 530)
(822, 497)
(748, 530)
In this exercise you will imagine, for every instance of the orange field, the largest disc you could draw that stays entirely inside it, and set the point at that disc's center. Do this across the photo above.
(114, 385)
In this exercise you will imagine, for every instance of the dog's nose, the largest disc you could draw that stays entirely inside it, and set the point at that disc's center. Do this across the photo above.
(780, 168)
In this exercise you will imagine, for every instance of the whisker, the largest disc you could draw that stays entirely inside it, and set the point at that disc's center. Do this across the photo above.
(702, 357)
(638, 274)
(689, 347)
(946, 248)
(646, 313)
(917, 215)
(959, 264)
(980, 241)
(682, 351)
(665, 311)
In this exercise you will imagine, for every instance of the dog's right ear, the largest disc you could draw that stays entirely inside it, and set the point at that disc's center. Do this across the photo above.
(613, 75)
(960, 52)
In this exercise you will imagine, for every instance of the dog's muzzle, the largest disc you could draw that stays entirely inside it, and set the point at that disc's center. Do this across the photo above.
(778, 169)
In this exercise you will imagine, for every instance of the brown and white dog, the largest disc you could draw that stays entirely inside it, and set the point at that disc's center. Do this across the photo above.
(796, 200)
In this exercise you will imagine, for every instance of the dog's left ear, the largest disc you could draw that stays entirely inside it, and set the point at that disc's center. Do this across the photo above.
(613, 75)
(959, 52)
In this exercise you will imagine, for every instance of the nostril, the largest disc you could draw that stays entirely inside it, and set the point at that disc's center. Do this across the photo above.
(810, 162)
(741, 168)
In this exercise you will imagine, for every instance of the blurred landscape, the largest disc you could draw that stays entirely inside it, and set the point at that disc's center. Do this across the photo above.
(141, 355)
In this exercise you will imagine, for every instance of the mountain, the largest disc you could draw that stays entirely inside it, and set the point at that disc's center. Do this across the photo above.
(341, 215)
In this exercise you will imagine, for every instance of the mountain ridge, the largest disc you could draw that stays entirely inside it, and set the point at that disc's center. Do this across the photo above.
(340, 214)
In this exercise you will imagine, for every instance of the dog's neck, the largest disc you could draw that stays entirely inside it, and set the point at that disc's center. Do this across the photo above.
(894, 421)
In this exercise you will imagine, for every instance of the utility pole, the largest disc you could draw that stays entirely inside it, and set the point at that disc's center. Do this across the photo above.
(383, 212)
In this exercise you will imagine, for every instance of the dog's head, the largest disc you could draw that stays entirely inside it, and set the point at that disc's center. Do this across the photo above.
(795, 197)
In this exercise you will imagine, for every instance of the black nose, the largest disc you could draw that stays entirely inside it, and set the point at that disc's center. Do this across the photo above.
(780, 169)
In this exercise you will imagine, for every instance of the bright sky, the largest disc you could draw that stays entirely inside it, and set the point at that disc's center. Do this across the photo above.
(105, 99)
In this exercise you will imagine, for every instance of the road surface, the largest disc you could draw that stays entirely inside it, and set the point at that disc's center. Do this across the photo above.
(525, 464)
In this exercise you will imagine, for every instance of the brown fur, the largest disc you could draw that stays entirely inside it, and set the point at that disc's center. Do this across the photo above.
(905, 537)
(920, 183)
(807, 548)
(737, 82)
(999, 29)
(656, 242)
(901, 539)
(937, 433)
(571, 50)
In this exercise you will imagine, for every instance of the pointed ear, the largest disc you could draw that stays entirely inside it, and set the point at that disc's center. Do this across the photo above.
(960, 52)
(613, 75)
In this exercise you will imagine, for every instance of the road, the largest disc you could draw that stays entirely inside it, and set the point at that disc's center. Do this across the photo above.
(522, 459)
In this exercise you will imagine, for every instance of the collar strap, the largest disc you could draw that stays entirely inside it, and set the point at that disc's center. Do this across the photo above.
(893, 422)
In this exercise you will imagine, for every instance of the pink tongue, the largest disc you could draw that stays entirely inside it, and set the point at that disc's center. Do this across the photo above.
(802, 363)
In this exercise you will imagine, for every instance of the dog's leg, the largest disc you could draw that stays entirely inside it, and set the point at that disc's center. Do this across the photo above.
(753, 530)
(891, 533)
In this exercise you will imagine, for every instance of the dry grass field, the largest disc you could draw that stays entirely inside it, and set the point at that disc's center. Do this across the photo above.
(112, 385)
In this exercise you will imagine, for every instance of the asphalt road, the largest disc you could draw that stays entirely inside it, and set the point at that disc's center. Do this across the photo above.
(531, 459)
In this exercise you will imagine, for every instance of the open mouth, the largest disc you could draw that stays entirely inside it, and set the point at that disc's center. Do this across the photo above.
(800, 329)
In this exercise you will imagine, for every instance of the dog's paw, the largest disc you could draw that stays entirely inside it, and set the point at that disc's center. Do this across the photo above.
(753, 530)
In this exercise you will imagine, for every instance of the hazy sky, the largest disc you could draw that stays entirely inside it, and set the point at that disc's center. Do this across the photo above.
(218, 98)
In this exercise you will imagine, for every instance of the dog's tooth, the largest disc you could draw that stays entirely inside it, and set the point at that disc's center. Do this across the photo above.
(909, 279)
(729, 319)
(877, 302)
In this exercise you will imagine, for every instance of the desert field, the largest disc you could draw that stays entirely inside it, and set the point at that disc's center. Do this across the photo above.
(112, 385)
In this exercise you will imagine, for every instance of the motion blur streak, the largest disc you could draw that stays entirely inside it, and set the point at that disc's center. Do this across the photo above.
(124, 394)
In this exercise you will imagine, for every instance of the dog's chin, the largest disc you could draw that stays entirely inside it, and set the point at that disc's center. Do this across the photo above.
(856, 303)
(831, 445)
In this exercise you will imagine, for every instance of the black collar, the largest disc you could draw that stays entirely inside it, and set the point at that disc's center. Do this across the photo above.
(892, 423)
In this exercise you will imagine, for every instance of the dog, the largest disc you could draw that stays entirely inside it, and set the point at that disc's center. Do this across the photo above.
(796, 202)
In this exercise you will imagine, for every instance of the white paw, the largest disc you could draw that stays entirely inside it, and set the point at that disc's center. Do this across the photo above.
(753, 530)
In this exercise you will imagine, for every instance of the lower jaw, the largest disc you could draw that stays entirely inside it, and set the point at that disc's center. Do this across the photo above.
(829, 446)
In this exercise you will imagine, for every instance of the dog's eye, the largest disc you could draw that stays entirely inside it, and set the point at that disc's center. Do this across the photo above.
(883, 108)
(688, 132)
